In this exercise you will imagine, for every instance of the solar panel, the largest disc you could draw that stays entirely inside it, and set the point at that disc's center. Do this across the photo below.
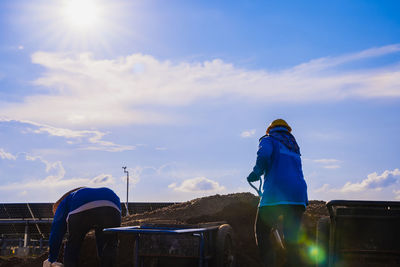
(16, 210)
(42, 210)
(38, 217)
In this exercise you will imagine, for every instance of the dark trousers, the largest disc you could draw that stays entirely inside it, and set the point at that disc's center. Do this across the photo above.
(289, 217)
(79, 224)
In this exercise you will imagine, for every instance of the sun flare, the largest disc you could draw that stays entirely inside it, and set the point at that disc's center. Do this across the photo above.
(82, 14)
(79, 25)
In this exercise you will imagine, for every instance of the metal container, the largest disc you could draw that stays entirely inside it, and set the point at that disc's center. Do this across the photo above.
(361, 233)
(157, 245)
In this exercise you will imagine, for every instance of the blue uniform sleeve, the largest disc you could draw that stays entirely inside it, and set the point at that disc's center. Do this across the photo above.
(58, 229)
(263, 156)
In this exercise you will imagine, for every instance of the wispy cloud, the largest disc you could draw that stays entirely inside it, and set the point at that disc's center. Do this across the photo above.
(397, 194)
(6, 155)
(56, 167)
(103, 179)
(136, 173)
(328, 163)
(324, 188)
(81, 90)
(331, 166)
(198, 185)
(88, 139)
(40, 186)
(329, 62)
(248, 133)
(35, 178)
(18, 163)
(42, 178)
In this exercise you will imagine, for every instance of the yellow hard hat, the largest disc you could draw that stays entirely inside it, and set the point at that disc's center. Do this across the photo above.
(279, 122)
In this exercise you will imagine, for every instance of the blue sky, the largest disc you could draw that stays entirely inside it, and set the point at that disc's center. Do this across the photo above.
(180, 92)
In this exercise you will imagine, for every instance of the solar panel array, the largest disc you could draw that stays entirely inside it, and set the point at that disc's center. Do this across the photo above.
(15, 217)
(37, 217)
(23, 211)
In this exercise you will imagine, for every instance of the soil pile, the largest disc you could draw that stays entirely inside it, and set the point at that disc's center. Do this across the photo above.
(22, 262)
(238, 210)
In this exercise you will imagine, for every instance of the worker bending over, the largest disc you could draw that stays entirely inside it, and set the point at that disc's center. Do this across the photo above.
(284, 192)
(79, 211)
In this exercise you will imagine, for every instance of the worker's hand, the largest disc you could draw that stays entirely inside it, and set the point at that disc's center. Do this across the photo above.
(253, 177)
(57, 264)
(46, 263)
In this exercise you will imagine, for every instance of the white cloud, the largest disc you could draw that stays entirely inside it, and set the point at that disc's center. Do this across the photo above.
(102, 179)
(94, 137)
(136, 173)
(25, 165)
(90, 139)
(248, 133)
(52, 173)
(324, 188)
(198, 185)
(328, 163)
(327, 62)
(373, 181)
(375, 185)
(48, 164)
(34, 173)
(397, 194)
(331, 166)
(80, 90)
(50, 188)
(6, 155)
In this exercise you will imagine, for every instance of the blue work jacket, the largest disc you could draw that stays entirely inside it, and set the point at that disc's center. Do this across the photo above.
(278, 159)
(78, 201)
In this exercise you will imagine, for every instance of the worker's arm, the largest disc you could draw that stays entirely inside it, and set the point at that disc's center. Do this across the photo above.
(58, 229)
(263, 156)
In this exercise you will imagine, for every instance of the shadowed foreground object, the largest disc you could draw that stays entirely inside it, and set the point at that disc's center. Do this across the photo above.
(238, 210)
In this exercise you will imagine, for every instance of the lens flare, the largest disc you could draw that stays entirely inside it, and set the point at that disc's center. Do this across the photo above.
(316, 254)
(311, 252)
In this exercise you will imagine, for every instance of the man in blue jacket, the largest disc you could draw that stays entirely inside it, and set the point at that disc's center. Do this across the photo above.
(79, 211)
(284, 191)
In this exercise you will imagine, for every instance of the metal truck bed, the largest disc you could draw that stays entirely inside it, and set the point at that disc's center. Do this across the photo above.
(208, 244)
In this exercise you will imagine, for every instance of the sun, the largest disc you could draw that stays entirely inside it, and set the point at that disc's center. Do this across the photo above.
(78, 25)
(82, 14)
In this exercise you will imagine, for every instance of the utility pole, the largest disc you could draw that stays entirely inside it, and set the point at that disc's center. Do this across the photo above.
(127, 188)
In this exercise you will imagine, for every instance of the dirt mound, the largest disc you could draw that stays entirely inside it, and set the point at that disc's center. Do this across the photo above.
(238, 210)
(22, 262)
